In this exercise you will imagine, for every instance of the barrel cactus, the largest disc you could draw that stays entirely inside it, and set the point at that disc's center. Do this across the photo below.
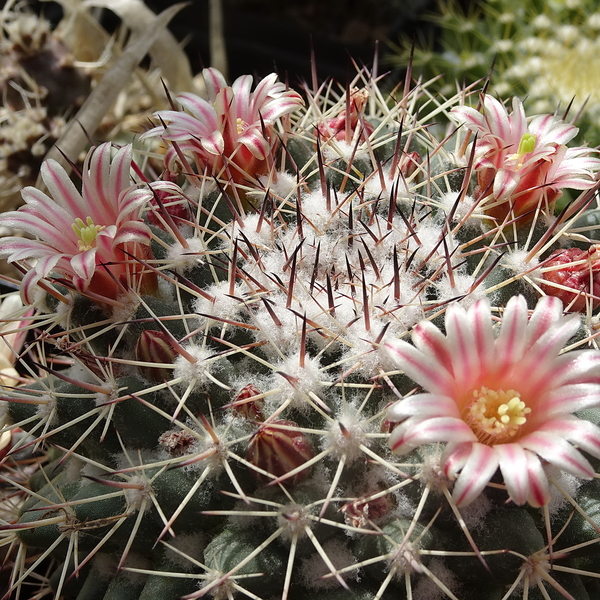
(343, 346)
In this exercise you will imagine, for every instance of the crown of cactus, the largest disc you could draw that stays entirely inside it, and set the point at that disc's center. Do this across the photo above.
(342, 347)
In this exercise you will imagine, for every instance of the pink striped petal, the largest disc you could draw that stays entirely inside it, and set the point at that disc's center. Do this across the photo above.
(214, 143)
(61, 188)
(214, 81)
(119, 177)
(569, 399)
(497, 118)
(84, 264)
(475, 475)
(574, 429)
(431, 341)
(256, 143)
(511, 340)
(420, 368)
(550, 130)
(512, 461)
(423, 405)
(481, 319)
(461, 338)
(242, 108)
(505, 183)
(415, 432)
(539, 488)
(518, 121)
(547, 311)
(199, 109)
(558, 452)
(472, 118)
(577, 366)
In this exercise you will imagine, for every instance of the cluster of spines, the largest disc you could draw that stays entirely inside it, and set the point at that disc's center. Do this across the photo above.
(270, 324)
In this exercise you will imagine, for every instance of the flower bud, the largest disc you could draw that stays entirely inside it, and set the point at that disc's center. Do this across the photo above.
(279, 451)
(579, 271)
(245, 407)
(154, 347)
(409, 164)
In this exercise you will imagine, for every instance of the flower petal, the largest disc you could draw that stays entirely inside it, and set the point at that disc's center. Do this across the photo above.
(420, 368)
(423, 405)
(415, 432)
(475, 475)
(513, 465)
(558, 452)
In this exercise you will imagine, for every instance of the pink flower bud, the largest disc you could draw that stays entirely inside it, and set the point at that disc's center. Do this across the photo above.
(278, 449)
(579, 272)
(154, 347)
(244, 405)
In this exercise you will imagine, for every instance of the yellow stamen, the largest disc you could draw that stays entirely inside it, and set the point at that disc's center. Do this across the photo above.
(495, 416)
(241, 125)
(86, 232)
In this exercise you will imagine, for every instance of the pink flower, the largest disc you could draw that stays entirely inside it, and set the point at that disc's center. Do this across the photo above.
(230, 131)
(504, 401)
(519, 165)
(87, 237)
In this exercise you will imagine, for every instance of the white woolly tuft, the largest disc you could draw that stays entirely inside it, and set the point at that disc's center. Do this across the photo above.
(187, 544)
(569, 483)
(282, 184)
(224, 305)
(335, 149)
(516, 261)
(464, 210)
(46, 409)
(305, 379)
(135, 497)
(182, 259)
(195, 373)
(474, 514)
(345, 436)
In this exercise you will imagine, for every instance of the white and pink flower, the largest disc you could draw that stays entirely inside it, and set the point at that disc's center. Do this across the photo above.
(504, 401)
(229, 133)
(88, 237)
(523, 164)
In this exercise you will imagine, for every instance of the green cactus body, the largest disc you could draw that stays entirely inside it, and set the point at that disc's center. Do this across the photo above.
(226, 432)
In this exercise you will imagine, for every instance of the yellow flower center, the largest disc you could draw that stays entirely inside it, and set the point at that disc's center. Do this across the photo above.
(86, 232)
(495, 416)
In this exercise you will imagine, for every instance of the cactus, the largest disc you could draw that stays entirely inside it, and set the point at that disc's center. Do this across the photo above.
(219, 392)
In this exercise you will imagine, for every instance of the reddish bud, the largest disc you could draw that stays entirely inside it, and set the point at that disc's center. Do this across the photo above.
(279, 451)
(579, 271)
(339, 126)
(155, 347)
(245, 406)
(409, 163)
